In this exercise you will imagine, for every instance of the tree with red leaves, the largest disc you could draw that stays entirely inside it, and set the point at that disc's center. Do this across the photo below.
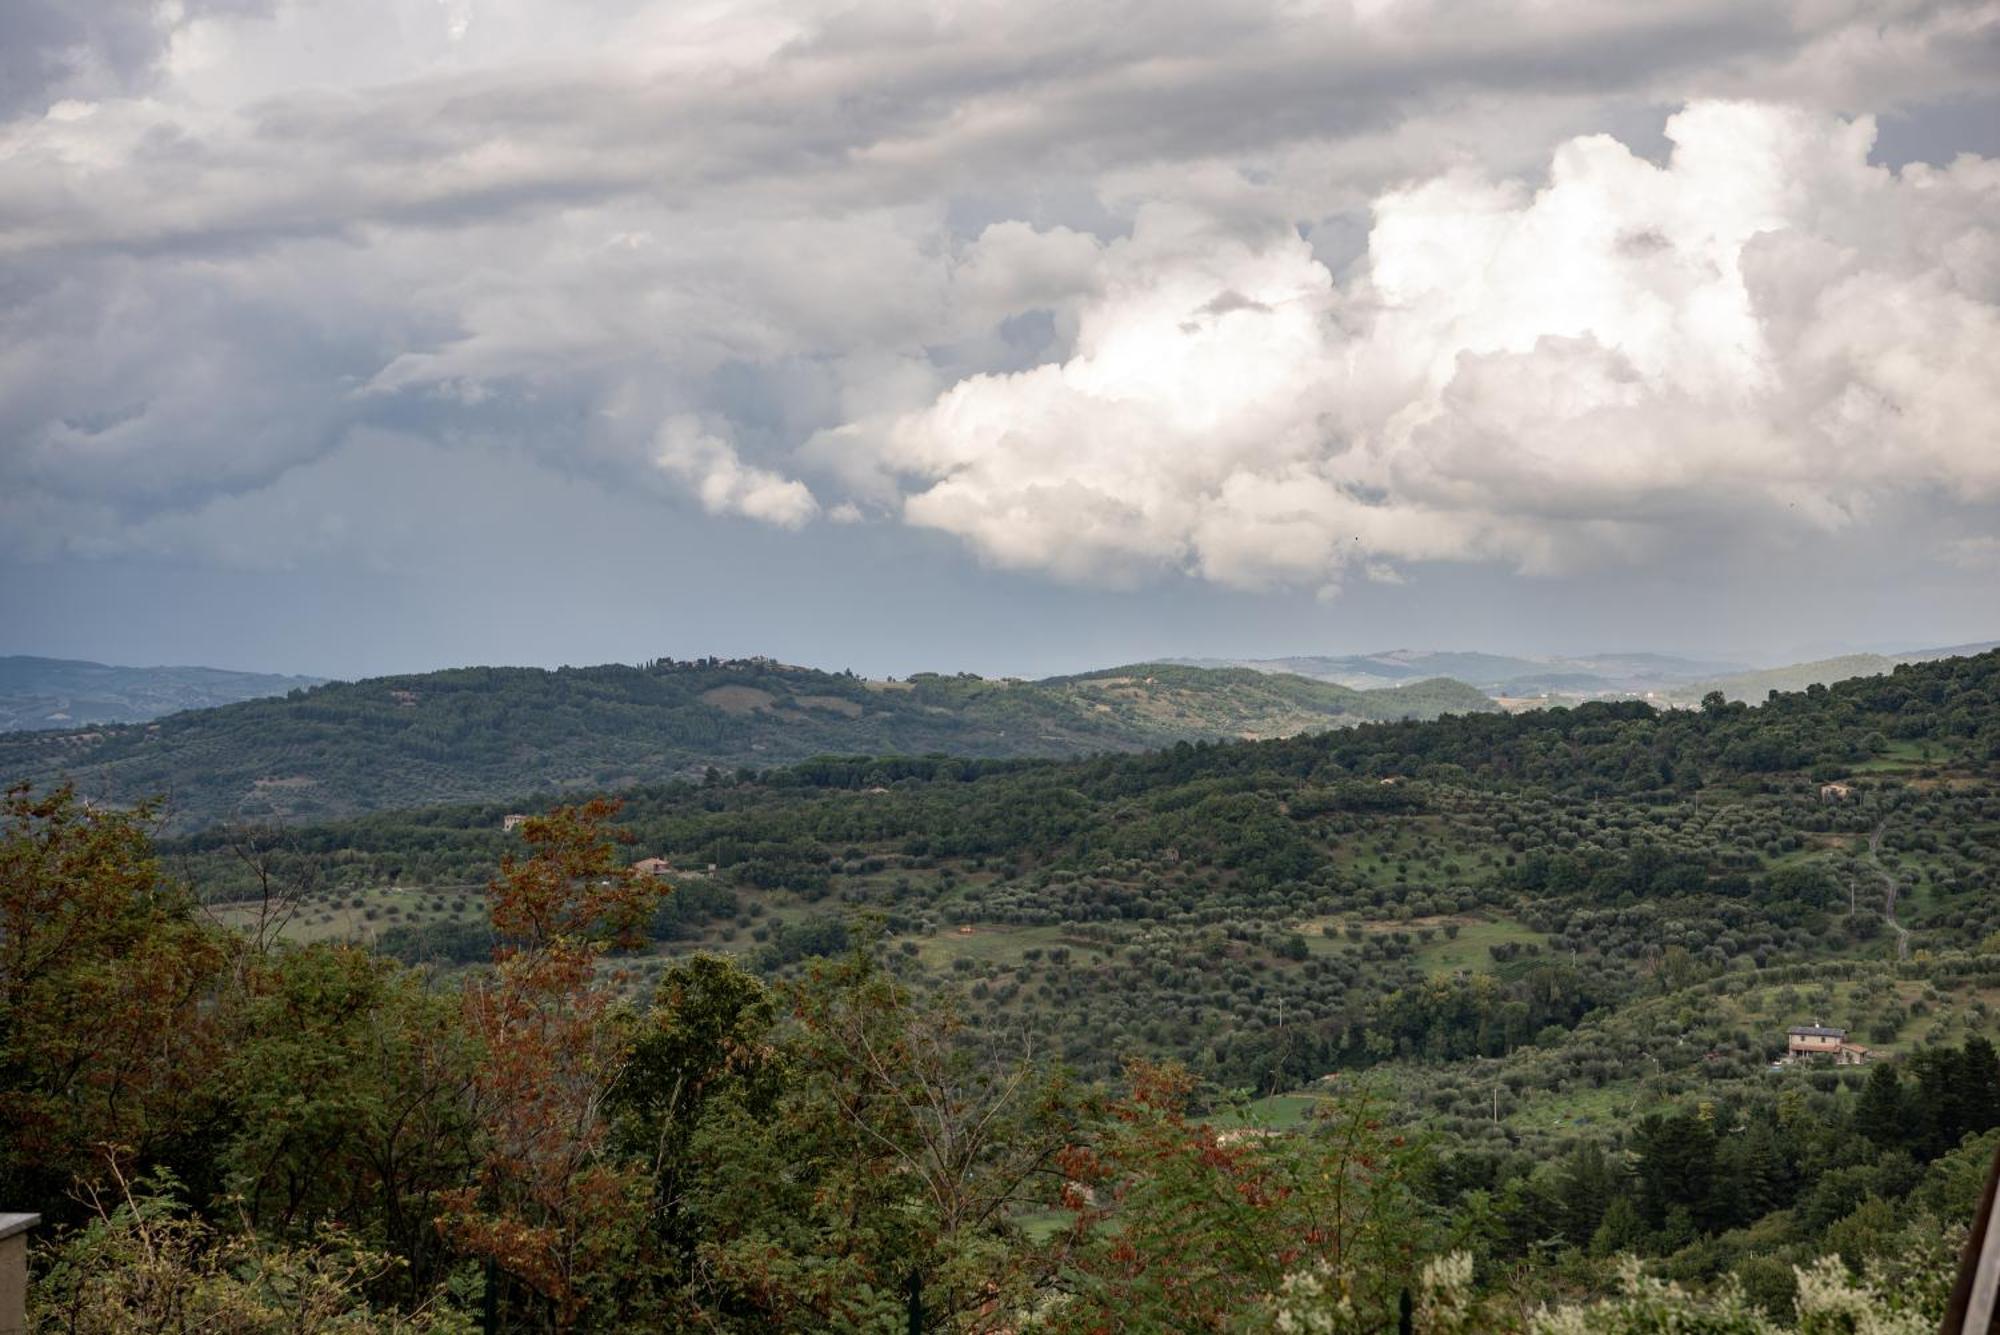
(552, 1209)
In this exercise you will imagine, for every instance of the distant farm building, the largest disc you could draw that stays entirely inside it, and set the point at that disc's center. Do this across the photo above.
(509, 821)
(1835, 792)
(653, 867)
(1814, 1040)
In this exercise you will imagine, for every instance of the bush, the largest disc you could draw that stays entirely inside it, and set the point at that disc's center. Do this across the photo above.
(144, 1262)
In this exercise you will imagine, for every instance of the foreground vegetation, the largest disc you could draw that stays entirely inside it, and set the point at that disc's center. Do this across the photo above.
(230, 1133)
(1257, 1036)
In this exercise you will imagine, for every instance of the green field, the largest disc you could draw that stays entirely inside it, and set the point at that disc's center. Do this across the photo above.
(991, 943)
(358, 915)
(1276, 1112)
(1470, 950)
(1901, 755)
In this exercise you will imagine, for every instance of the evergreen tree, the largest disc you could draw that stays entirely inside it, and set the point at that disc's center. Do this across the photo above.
(1879, 1114)
(1980, 1071)
(1676, 1165)
(1584, 1190)
(1622, 1230)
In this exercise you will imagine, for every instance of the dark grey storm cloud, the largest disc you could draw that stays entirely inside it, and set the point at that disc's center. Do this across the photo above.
(1192, 312)
(51, 49)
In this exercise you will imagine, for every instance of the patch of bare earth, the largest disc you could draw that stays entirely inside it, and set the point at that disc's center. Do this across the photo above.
(738, 700)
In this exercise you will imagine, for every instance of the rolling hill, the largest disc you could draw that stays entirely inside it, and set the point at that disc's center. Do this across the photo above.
(1754, 686)
(62, 693)
(479, 734)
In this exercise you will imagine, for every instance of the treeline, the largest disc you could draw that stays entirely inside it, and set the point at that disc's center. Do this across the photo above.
(1190, 793)
(477, 734)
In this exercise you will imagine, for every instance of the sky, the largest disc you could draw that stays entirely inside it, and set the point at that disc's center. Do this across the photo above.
(361, 336)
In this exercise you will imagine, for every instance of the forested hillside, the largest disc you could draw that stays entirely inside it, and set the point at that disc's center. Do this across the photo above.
(485, 733)
(1173, 902)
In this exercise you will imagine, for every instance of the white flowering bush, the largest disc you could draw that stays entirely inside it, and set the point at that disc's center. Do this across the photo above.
(1888, 1301)
(1902, 1293)
(1648, 1306)
(1315, 1301)
(1831, 1302)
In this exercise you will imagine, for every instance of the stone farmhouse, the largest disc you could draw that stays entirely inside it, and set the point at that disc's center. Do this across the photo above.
(1817, 1040)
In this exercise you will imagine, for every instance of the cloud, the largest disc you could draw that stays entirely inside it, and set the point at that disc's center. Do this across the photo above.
(1764, 331)
(710, 467)
(851, 238)
(264, 122)
(51, 50)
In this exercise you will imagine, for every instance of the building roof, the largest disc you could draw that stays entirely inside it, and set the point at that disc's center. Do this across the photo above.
(1816, 1031)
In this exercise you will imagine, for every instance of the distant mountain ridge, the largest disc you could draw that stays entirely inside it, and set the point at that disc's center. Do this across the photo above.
(1498, 675)
(481, 734)
(58, 693)
(1525, 682)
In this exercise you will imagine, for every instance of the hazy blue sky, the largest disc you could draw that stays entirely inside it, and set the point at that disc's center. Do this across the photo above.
(1019, 337)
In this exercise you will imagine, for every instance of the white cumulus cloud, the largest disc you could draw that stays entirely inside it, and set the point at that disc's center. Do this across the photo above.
(1765, 328)
(710, 467)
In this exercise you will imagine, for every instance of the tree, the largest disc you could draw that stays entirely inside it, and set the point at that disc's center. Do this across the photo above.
(1180, 1225)
(1980, 1072)
(1586, 1185)
(552, 1208)
(1676, 1166)
(1878, 1114)
(108, 1027)
(348, 1082)
(705, 1041)
(884, 1177)
(1622, 1230)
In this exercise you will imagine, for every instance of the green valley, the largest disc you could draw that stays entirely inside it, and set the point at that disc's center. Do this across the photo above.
(1524, 982)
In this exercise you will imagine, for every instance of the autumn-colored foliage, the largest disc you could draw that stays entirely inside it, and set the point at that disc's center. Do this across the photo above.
(108, 1034)
(571, 887)
(1179, 1224)
(550, 1208)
